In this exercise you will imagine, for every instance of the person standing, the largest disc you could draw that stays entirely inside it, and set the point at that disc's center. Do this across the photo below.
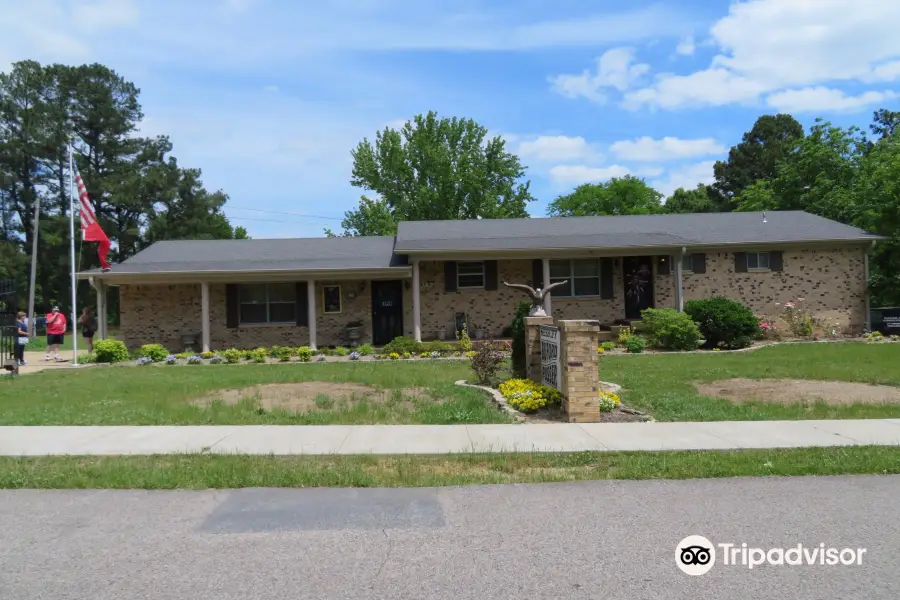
(56, 333)
(21, 339)
(88, 327)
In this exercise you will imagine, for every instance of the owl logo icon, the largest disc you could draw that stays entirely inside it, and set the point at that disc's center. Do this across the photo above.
(695, 555)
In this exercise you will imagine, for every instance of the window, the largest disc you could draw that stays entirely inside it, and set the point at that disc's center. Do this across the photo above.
(687, 263)
(331, 299)
(469, 275)
(268, 303)
(583, 277)
(757, 261)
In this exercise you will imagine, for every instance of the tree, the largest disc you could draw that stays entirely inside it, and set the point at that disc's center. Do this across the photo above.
(619, 196)
(240, 233)
(435, 168)
(697, 200)
(771, 140)
(885, 123)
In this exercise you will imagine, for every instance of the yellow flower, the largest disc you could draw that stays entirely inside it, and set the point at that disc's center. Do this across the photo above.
(393, 356)
(599, 350)
(608, 401)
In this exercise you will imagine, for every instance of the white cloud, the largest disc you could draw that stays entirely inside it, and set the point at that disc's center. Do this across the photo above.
(772, 46)
(557, 148)
(822, 99)
(105, 14)
(647, 149)
(616, 70)
(686, 47)
(572, 175)
(687, 176)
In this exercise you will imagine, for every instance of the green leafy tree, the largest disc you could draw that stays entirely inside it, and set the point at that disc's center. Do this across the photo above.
(697, 200)
(240, 233)
(435, 168)
(885, 123)
(756, 157)
(619, 196)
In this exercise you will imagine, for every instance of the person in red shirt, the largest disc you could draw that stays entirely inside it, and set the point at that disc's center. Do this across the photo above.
(56, 333)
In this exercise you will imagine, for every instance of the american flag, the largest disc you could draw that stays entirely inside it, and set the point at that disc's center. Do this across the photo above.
(90, 229)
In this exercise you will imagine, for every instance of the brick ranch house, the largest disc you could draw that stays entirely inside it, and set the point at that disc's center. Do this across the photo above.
(435, 275)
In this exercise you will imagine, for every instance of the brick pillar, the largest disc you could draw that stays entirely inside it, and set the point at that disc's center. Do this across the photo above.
(580, 377)
(533, 346)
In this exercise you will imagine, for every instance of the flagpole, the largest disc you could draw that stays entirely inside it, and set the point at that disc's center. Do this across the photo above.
(72, 255)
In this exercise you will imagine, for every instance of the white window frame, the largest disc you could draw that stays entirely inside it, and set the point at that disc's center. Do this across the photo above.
(759, 255)
(689, 267)
(459, 285)
(268, 303)
(555, 292)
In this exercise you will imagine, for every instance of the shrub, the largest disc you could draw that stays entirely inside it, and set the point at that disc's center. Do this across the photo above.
(260, 355)
(341, 351)
(608, 401)
(194, 360)
(424, 354)
(110, 351)
(667, 328)
(486, 362)
(465, 342)
(246, 354)
(439, 347)
(407, 355)
(232, 356)
(171, 360)
(86, 357)
(394, 355)
(365, 349)
(527, 396)
(155, 352)
(207, 355)
(182, 355)
(624, 335)
(355, 355)
(723, 322)
(635, 344)
(608, 346)
(304, 353)
(518, 338)
(281, 353)
(799, 319)
(400, 345)
(144, 361)
(215, 359)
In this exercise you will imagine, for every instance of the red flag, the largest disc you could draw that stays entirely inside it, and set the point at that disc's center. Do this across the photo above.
(90, 228)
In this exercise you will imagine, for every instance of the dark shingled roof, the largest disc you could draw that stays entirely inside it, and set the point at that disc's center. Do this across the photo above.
(705, 229)
(299, 254)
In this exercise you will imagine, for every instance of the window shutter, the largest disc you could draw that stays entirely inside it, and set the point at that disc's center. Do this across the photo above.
(490, 275)
(776, 261)
(449, 276)
(698, 263)
(232, 306)
(302, 304)
(740, 262)
(537, 273)
(663, 265)
(607, 271)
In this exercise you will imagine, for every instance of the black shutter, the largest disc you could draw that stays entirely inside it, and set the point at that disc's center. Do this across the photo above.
(302, 304)
(698, 263)
(449, 276)
(537, 273)
(740, 262)
(232, 306)
(607, 271)
(490, 275)
(663, 265)
(776, 261)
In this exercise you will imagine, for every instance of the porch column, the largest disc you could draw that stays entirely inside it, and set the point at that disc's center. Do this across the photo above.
(679, 293)
(311, 312)
(548, 304)
(204, 316)
(100, 313)
(416, 302)
(103, 310)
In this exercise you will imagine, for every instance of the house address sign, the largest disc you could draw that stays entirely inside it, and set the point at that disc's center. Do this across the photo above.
(550, 356)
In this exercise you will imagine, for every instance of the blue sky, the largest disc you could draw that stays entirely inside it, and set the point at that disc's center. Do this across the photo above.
(268, 97)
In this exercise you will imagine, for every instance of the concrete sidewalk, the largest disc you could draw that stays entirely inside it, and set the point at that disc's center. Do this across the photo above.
(444, 439)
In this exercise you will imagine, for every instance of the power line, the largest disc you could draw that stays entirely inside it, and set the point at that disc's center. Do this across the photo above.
(278, 212)
(231, 218)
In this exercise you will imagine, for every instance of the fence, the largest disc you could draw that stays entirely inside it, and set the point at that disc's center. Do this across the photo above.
(8, 311)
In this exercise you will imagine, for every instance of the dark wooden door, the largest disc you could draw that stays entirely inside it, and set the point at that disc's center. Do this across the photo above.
(387, 311)
(638, 285)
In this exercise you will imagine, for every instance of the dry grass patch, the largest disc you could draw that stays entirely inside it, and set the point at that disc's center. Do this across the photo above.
(799, 391)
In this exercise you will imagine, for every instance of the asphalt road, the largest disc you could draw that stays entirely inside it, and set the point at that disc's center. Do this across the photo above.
(605, 540)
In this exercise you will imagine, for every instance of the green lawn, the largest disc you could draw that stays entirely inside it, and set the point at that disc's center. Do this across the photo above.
(159, 395)
(662, 385)
(207, 471)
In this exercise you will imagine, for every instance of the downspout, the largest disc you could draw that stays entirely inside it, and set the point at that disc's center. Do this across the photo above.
(868, 298)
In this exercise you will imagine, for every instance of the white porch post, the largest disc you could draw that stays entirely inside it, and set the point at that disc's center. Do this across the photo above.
(100, 312)
(679, 292)
(548, 304)
(311, 312)
(204, 315)
(416, 302)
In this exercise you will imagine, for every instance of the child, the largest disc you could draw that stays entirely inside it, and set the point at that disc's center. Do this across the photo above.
(21, 338)
(56, 333)
(88, 327)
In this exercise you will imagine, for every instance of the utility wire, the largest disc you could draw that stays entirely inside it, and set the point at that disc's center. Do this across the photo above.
(278, 212)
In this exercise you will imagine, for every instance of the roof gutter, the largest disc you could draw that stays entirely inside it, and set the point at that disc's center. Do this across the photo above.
(221, 276)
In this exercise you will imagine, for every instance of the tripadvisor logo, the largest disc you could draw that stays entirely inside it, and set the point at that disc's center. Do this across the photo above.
(696, 555)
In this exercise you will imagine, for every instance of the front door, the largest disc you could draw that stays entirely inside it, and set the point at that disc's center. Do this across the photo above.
(387, 311)
(638, 272)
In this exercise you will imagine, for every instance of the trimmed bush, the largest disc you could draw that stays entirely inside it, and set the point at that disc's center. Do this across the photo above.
(281, 353)
(635, 344)
(667, 328)
(110, 351)
(400, 345)
(518, 338)
(608, 346)
(341, 351)
(207, 355)
(304, 353)
(155, 352)
(233, 356)
(260, 355)
(723, 322)
(365, 349)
